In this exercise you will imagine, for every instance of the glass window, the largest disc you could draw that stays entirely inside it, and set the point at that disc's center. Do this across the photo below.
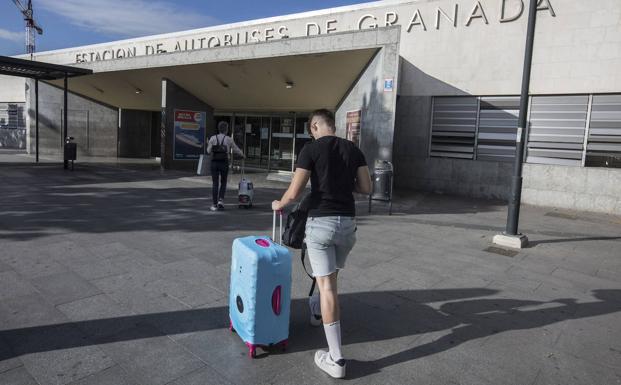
(604, 142)
(453, 127)
(282, 143)
(302, 136)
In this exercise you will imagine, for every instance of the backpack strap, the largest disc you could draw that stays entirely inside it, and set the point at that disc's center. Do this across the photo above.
(303, 256)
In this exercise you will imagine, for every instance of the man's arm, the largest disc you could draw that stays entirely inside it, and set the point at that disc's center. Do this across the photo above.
(297, 186)
(209, 146)
(363, 180)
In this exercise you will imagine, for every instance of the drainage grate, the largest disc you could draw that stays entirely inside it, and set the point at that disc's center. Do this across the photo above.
(500, 251)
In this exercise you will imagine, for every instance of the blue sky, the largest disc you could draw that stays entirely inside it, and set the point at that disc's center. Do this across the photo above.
(70, 23)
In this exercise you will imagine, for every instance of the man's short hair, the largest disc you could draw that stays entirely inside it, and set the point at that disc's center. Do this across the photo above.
(326, 115)
(223, 127)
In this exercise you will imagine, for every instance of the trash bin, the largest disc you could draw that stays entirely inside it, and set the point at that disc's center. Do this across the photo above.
(382, 179)
(70, 153)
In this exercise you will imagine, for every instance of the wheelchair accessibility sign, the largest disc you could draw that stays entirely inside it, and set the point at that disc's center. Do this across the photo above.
(389, 85)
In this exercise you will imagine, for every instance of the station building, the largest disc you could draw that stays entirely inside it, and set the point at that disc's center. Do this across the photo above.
(432, 86)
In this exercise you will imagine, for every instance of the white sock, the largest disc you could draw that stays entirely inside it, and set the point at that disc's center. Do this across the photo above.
(333, 335)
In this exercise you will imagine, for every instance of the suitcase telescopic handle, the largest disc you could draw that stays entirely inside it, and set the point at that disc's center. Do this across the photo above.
(274, 228)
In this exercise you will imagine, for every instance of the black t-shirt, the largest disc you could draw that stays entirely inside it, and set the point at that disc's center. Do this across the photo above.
(333, 163)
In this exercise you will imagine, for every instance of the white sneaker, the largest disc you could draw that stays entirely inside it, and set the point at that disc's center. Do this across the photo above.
(325, 363)
(214, 208)
(315, 310)
(221, 204)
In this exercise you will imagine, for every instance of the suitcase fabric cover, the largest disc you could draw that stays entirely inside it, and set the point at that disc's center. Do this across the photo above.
(260, 291)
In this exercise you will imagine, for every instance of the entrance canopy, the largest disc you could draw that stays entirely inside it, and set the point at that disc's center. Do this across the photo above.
(38, 70)
(285, 83)
(266, 84)
(281, 75)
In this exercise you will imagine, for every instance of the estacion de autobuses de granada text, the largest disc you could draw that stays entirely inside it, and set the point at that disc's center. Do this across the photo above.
(437, 18)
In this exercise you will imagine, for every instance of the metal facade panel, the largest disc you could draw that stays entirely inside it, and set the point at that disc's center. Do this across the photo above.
(605, 130)
(557, 129)
(498, 121)
(565, 130)
(453, 127)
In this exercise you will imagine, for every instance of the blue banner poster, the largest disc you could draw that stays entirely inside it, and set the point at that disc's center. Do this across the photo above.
(189, 140)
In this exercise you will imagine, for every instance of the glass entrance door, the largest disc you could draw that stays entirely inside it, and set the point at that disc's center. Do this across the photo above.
(256, 141)
(302, 135)
(282, 148)
(271, 143)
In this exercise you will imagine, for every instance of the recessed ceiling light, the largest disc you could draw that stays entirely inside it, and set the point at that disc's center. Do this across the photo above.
(138, 90)
(289, 85)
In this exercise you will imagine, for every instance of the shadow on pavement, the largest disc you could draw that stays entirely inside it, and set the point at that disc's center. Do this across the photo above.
(563, 240)
(408, 313)
(106, 198)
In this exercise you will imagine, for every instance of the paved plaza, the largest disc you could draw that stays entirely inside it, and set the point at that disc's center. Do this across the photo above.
(118, 274)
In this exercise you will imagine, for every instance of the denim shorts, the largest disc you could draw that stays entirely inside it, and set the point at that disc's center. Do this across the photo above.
(329, 240)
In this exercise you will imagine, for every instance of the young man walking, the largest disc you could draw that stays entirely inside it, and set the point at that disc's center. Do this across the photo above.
(336, 168)
(219, 147)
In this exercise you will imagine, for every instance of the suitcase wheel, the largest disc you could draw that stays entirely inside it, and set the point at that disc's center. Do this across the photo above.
(252, 350)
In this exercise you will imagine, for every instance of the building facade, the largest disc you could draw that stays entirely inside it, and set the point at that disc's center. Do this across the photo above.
(431, 85)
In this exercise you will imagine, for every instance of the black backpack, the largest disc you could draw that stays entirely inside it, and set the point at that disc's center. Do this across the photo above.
(219, 151)
(295, 227)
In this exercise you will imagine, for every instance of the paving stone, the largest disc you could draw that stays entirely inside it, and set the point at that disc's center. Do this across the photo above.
(584, 281)
(57, 354)
(224, 350)
(114, 265)
(111, 249)
(203, 376)
(4, 267)
(35, 265)
(14, 285)
(69, 251)
(591, 347)
(8, 359)
(64, 287)
(149, 357)
(27, 311)
(559, 368)
(179, 324)
(421, 301)
(199, 271)
(99, 316)
(17, 376)
(114, 375)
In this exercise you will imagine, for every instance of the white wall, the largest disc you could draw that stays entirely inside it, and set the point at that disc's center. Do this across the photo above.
(575, 188)
(12, 89)
(576, 51)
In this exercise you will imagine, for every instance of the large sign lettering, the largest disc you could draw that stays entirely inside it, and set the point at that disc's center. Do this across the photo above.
(415, 21)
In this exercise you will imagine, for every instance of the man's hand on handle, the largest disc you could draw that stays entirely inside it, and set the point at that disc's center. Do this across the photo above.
(277, 206)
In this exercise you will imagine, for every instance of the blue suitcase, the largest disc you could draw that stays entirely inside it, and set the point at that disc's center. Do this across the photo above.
(260, 291)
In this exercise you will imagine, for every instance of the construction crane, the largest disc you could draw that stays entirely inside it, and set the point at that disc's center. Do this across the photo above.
(31, 26)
